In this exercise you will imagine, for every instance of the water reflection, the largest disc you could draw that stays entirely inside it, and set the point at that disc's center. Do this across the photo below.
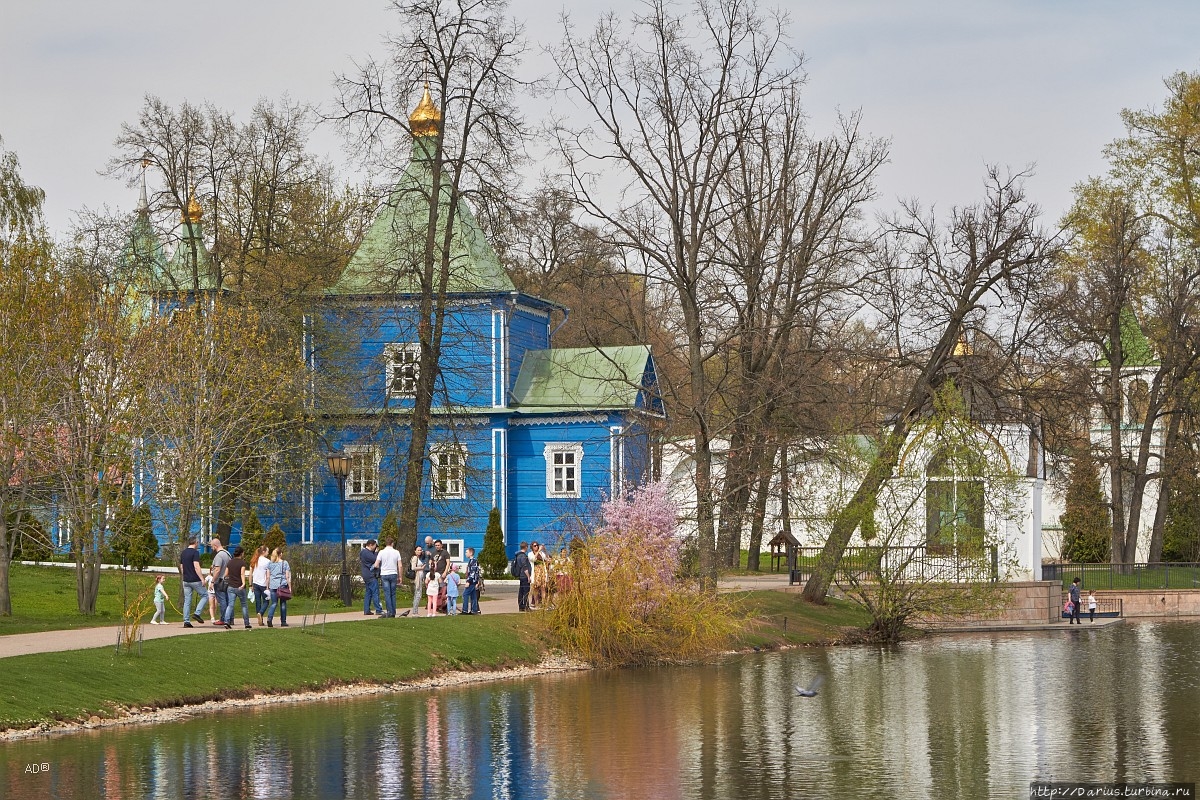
(970, 716)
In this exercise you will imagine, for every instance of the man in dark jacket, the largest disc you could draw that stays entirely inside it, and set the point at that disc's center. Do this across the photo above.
(1075, 603)
(523, 569)
(366, 561)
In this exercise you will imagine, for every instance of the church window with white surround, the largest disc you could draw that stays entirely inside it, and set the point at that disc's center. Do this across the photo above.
(363, 481)
(403, 369)
(448, 465)
(564, 469)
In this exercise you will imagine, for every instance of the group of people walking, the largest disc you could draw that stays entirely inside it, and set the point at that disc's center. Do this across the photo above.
(433, 576)
(266, 576)
(229, 580)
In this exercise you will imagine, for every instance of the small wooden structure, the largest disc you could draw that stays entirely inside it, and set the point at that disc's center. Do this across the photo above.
(783, 549)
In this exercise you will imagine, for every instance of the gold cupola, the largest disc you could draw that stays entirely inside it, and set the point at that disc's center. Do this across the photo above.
(425, 118)
(194, 212)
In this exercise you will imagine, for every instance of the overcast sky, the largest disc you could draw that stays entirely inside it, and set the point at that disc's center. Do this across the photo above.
(954, 85)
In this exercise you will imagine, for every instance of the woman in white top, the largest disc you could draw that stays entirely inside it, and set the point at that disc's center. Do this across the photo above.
(259, 577)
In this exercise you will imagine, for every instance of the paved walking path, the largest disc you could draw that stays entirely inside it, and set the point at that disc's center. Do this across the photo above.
(500, 598)
(500, 602)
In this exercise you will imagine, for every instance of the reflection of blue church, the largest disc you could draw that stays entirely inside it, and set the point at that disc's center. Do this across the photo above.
(541, 434)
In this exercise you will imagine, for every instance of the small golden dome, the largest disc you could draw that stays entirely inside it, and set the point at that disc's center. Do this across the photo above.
(963, 346)
(194, 211)
(425, 118)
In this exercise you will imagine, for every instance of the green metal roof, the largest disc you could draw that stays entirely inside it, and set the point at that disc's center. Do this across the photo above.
(1135, 347)
(571, 379)
(392, 252)
(177, 274)
(145, 256)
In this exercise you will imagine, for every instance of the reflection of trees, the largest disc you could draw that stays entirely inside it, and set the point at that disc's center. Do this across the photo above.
(948, 717)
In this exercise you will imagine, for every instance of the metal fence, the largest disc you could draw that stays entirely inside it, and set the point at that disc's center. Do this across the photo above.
(1172, 575)
(903, 563)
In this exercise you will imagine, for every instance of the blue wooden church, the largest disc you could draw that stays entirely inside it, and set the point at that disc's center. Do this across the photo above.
(541, 434)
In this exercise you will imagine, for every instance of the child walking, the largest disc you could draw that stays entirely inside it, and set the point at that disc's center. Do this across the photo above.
(160, 602)
(1092, 606)
(432, 585)
(452, 593)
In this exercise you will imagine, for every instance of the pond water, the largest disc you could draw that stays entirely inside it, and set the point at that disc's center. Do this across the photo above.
(972, 716)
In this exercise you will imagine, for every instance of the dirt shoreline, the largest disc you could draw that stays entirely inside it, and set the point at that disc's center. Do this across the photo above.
(149, 716)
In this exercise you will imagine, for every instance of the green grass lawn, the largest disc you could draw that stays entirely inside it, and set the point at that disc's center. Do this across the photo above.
(193, 669)
(43, 599)
(1105, 577)
(201, 667)
(778, 618)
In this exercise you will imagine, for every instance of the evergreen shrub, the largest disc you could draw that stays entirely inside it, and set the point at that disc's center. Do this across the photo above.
(1087, 528)
(252, 534)
(31, 541)
(275, 538)
(493, 561)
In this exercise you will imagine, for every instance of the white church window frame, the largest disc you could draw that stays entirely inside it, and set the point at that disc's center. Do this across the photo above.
(363, 481)
(564, 470)
(403, 369)
(448, 471)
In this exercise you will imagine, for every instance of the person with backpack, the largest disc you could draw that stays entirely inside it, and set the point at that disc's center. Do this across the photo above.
(521, 570)
(1074, 594)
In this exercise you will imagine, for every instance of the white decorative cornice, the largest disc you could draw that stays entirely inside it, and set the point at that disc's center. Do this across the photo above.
(573, 419)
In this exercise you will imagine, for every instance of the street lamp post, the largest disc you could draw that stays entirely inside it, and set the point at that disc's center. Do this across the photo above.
(339, 467)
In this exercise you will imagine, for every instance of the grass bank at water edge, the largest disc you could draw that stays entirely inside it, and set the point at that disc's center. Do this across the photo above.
(198, 668)
(222, 665)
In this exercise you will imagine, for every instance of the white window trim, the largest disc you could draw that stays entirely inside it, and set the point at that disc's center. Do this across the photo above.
(357, 450)
(450, 545)
(435, 465)
(576, 448)
(165, 485)
(390, 352)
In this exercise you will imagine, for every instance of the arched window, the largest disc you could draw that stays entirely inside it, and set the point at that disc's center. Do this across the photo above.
(954, 501)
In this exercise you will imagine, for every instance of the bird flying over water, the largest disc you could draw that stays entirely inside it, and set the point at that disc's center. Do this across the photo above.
(812, 689)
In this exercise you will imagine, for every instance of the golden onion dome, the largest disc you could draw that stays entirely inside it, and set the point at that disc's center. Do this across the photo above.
(425, 118)
(194, 212)
(963, 346)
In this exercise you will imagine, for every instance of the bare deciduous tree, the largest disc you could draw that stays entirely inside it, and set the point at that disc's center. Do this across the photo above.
(929, 286)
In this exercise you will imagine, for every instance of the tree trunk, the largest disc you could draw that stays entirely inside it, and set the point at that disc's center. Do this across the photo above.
(1116, 470)
(785, 491)
(87, 580)
(851, 516)
(5, 563)
(739, 477)
(1164, 489)
(762, 494)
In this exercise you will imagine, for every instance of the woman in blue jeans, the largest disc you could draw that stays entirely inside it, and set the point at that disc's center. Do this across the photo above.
(279, 574)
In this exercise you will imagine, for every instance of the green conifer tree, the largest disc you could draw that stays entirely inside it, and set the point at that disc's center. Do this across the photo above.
(252, 534)
(389, 528)
(1181, 536)
(493, 561)
(275, 538)
(1086, 521)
